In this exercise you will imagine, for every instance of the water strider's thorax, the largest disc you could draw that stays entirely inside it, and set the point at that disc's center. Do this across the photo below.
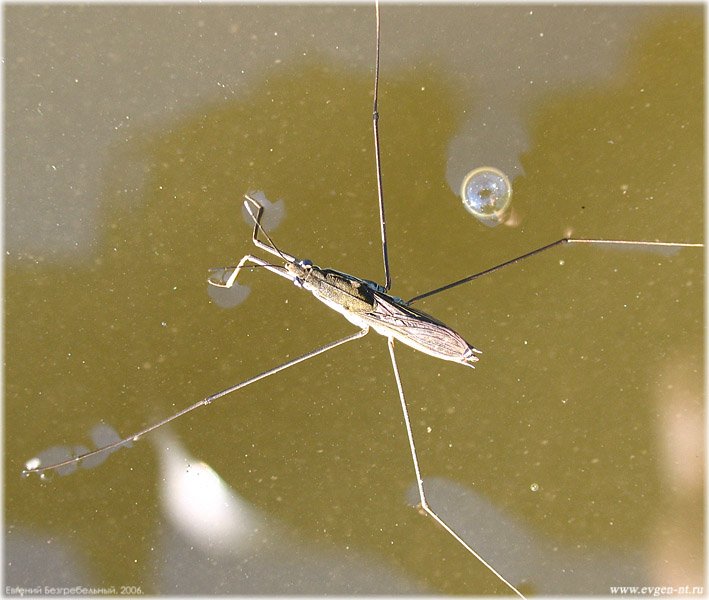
(333, 287)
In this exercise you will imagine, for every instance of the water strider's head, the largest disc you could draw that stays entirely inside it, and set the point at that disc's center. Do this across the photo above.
(300, 270)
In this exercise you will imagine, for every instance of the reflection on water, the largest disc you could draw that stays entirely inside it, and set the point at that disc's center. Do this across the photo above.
(218, 527)
(200, 504)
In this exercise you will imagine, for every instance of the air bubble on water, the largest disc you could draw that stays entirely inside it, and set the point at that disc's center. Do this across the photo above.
(487, 195)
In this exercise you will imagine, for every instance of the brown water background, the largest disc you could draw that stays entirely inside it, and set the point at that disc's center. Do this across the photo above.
(572, 457)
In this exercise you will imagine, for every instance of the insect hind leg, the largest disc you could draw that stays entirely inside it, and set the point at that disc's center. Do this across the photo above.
(424, 506)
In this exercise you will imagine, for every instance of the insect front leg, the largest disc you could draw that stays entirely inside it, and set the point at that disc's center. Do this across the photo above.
(226, 282)
(270, 247)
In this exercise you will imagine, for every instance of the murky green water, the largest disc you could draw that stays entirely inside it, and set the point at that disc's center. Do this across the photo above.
(132, 134)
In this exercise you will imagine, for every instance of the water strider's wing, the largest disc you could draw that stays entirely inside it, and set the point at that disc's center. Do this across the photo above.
(392, 318)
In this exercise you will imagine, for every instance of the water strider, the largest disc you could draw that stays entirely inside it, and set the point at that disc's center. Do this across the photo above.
(365, 304)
